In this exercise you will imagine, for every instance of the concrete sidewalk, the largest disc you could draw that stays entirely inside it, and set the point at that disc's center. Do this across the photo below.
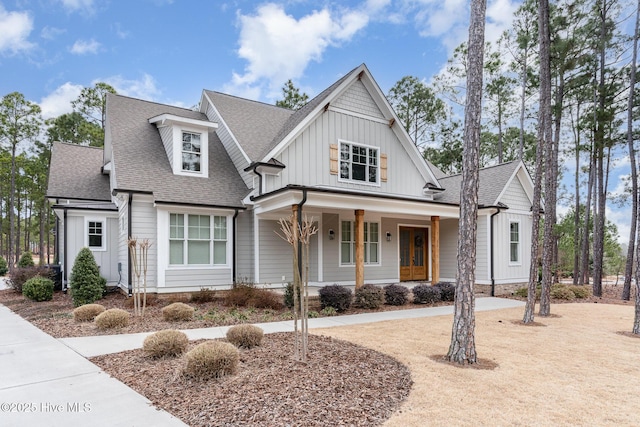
(48, 381)
(106, 344)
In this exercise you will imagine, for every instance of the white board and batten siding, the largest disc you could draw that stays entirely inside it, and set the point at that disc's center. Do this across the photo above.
(143, 226)
(448, 249)
(123, 239)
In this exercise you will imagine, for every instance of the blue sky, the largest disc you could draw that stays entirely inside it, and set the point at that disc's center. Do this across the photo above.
(169, 50)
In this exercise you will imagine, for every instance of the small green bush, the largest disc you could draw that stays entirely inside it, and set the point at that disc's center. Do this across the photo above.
(88, 312)
(26, 260)
(167, 343)
(86, 284)
(38, 289)
(288, 295)
(19, 276)
(211, 359)
(396, 294)
(177, 312)
(336, 296)
(447, 290)
(245, 336)
(4, 267)
(203, 295)
(580, 292)
(112, 318)
(562, 292)
(369, 296)
(426, 294)
(524, 292)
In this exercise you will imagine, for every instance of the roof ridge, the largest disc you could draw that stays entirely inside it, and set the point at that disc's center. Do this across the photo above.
(152, 102)
(248, 100)
(77, 145)
(484, 168)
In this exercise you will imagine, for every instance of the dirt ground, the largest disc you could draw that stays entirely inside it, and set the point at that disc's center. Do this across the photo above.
(576, 369)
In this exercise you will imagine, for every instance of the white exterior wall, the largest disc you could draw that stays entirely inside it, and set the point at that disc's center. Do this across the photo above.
(166, 134)
(143, 226)
(123, 238)
(245, 237)
(483, 250)
(448, 249)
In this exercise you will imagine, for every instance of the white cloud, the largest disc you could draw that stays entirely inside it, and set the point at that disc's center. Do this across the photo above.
(82, 47)
(278, 46)
(51, 33)
(59, 101)
(15, 28)
(87, 6)
(121, 33)
(144, 88)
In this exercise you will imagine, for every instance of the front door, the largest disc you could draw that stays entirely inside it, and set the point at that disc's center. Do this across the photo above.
(413, 254)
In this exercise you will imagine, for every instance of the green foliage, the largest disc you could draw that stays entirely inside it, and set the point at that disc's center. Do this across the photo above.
(245, 336)
(177, 312)
(112, 319)
(38, 289)
(581, 292)
(73, 128)
(19, 276)
(562, 292)
(369, 296)
(521, 292)
(293, 99)
(167, 343)
(87, 312)
(211, 359)
(4, 268)
(288, 295)
(426, 294)
(85, 282)
(396, 294)
(335, 296)
(328, 311)
(26, 260)
(92, 103)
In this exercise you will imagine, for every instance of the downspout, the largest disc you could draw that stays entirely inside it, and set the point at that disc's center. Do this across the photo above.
(64, 249)
(255, 170)
(129, 234)
(493, 279)
(302, 202)
(234, 242)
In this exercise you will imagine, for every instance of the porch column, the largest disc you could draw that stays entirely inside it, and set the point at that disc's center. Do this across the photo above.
(435, 249)
(359, 229)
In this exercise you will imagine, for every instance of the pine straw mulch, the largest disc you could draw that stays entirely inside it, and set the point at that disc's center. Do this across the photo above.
(342, 384)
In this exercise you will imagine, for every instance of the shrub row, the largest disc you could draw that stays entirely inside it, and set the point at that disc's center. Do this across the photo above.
(559, 291)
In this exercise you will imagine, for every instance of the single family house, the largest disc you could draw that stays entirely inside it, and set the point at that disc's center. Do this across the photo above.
(208, 188)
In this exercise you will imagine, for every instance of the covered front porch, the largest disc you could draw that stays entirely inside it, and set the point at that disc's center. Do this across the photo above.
(362, 238)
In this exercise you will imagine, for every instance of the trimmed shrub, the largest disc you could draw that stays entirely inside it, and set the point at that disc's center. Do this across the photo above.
(86, 284)
(19, 276)
(447, 290)
(112, 318)
(26, 260)
(396, 294)
(524, 292)
(426, 294)
(580, 292)
(369, 296)
(288, 295)
(203, 295)
(245, 336)
(562, 292)
(249, 296)
(336, 296)
(4, 267)
(328, 311)
(167, 343)
(178, 311)
(38, 289)
(211, 359)
(88, 312)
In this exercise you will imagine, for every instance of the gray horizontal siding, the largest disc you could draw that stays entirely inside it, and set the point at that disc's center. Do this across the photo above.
(201, 277)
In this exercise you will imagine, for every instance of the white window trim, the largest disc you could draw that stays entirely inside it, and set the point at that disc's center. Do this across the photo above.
(102, 220)
(355, 181)
(164, 235)
(177, 151)
(353, 226)
(519, 261)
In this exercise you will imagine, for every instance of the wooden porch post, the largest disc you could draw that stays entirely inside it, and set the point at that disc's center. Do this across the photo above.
(359, 230)
(435, 249)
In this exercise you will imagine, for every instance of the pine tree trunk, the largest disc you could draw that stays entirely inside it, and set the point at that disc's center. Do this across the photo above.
(462, 349)
(584, 262)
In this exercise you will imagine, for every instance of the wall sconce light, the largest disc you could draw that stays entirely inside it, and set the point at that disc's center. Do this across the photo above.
(332, 234)
(388, 236)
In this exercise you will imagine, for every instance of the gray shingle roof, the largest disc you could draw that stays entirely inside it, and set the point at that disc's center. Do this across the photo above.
(141, 163)
(74, 173)
(254, 124)
(493, 180)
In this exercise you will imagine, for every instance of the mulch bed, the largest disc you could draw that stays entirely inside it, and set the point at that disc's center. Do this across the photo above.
(342, 384)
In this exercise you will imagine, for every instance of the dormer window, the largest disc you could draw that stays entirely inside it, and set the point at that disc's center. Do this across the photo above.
(186, 142)
(191, 151)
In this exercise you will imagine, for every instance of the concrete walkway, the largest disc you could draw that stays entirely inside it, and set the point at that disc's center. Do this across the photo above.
(48, 381)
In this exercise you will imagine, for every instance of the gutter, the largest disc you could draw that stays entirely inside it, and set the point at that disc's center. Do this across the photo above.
(64, 249)
(499, 207)
(129, 233)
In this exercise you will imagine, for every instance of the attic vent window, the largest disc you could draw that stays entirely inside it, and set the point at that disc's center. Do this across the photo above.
(191, 151)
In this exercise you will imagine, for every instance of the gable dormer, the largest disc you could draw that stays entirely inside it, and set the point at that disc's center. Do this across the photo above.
(186, 142)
